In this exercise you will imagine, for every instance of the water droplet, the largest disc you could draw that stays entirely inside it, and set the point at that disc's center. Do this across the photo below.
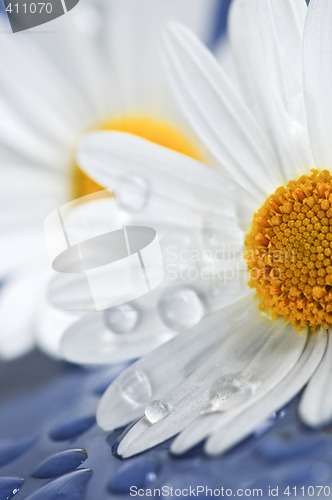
(136, 388)
(60, 463)
(9, 486)
(122, 318)
(133, 193)
(230, 391)
(156, 410)
(181, 308)
(68, 487)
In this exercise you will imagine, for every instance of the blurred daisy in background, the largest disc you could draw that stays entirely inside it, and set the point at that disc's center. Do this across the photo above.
(268, 200)
(99, 69)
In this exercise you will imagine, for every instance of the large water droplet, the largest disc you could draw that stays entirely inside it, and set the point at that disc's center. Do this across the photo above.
(230, 391)
(133, 193)
(181, 308)
(122, 318)
(156, 410)
(136, 388)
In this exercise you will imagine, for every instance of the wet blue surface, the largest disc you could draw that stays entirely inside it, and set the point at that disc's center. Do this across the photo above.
(57, 400)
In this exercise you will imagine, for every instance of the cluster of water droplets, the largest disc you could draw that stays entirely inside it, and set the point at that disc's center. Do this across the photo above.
(179, 308)
(230, 391)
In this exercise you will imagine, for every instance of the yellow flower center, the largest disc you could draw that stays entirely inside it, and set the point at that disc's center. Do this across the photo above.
(153, 130)
(289, 249)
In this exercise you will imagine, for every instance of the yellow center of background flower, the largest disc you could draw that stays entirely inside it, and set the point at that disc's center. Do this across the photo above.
(153, 130)
(289, 252)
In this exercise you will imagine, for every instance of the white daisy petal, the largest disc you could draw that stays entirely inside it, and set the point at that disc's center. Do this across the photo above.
(90, 341)
(20, 248)
(289, 386)
(59, 105)
(317, 57)
(271, 75)
(160, 373)
(150, 91)
(18, 136)
(50, 324)
(16, 334)
(315, 408)
(255, 358)
(116, 160)
(218, 113)
(215, 424)
(281, 26)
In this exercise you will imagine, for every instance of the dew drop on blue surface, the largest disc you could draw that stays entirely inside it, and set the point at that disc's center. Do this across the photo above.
(69, 487)
(156, 410)
(9, 486)
(12, 448)
(72, 427)
(141, 473)
(60, 463)
(181, 308)
(122, 318)
(135, 387)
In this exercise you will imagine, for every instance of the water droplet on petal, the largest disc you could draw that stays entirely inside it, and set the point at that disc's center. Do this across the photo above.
(9, 486)
(230, 391)
(181, 308)
(136, 388)
(133, 193)
(122, 318)
(156, 410)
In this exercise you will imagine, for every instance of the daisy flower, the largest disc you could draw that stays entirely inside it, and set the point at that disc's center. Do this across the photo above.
(98, 69)
(268, 198)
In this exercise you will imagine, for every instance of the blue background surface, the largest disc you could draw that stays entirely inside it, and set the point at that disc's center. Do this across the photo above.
(51, 448)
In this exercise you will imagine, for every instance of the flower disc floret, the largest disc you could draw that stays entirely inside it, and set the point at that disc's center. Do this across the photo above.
(289, 251)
